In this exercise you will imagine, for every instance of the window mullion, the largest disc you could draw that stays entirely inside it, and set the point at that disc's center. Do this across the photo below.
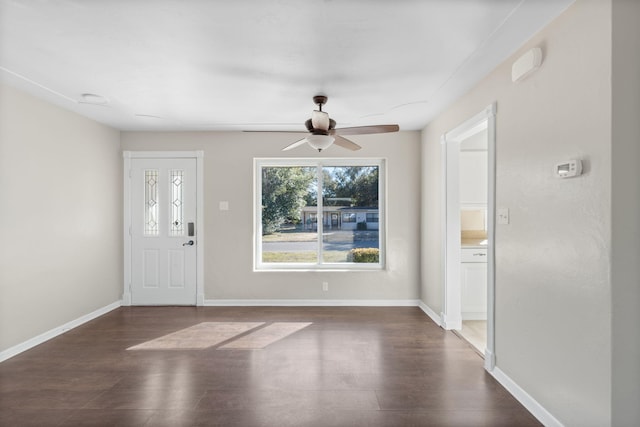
(319, 213)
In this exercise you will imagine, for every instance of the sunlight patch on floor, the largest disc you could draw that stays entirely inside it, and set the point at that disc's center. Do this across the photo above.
(267, 335)
(200, 336)
(234, 335)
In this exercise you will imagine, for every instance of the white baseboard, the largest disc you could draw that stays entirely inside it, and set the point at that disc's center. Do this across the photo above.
(525, 398)
(309, 303)
(431, 313)
(46, 336)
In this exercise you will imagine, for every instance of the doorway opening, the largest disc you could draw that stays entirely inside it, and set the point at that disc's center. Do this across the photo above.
(469, 204)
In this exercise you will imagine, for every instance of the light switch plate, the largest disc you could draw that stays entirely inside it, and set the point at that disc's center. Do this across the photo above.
(502, 216)
(224, 206)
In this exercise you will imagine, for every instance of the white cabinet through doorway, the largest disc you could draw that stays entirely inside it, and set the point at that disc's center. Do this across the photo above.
(473, 281)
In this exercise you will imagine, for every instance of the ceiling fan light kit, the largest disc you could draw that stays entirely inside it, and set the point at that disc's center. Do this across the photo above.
(323, 132)
(320, 142)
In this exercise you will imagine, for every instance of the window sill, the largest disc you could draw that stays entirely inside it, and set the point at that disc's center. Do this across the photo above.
(310, 269)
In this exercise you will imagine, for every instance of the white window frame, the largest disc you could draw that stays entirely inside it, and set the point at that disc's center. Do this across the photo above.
(259, 163)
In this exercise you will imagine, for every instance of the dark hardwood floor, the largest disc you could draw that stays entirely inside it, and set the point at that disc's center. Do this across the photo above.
(352, 366)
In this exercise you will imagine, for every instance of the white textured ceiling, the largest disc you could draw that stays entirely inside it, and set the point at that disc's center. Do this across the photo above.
(256, 64)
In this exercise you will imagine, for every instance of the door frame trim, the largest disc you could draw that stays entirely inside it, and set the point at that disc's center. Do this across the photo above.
(126, 229)
(451, 314)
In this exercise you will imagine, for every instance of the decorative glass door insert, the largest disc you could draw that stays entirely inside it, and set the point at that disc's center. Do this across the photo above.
(151, 202)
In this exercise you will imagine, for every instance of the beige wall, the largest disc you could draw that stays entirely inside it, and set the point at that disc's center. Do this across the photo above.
(625, 272)
(432, 255)
(60, 217)
(553, 289)
(228, 169)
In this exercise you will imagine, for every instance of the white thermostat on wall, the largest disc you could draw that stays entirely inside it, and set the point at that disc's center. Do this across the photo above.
(569, 168)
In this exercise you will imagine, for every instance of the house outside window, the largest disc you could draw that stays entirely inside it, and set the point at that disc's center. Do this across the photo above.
(295, 229)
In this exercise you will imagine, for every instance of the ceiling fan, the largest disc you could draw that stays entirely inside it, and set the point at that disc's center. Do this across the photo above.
(323, 132)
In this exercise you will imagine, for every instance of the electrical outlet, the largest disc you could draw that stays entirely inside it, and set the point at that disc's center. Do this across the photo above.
(325, 286)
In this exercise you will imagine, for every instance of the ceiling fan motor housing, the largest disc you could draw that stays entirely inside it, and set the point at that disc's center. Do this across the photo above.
(309, 125)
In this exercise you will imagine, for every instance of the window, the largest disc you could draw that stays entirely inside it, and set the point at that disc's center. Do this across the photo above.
(372, 217)
(295, 228)
(348, 217)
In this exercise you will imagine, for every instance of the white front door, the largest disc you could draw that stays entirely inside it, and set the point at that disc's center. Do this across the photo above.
(163, 231)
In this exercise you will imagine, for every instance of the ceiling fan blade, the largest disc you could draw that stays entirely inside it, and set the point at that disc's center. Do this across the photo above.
(275, 131)
(345, 143)
(362, 130)
(295, 144)
(320, 120)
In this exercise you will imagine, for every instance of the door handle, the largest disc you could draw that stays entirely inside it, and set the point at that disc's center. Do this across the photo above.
(189, 243)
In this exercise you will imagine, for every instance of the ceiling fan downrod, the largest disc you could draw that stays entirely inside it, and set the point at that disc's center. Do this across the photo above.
(320, 100)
